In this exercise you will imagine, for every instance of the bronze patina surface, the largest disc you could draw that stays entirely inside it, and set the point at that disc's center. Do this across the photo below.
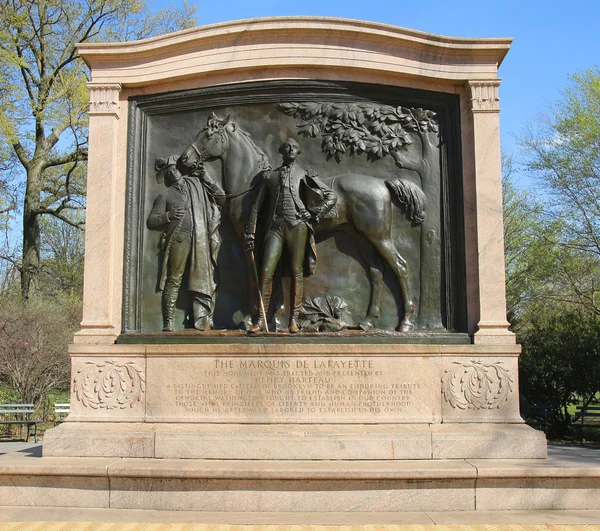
(389, 241)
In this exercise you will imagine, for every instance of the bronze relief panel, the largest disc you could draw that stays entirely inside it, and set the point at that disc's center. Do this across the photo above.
(299, 207)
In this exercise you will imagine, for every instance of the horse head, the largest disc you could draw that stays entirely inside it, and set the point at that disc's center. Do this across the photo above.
(210, 143)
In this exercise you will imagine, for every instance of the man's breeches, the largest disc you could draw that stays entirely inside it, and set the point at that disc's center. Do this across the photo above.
(294, 239)
(178, 258)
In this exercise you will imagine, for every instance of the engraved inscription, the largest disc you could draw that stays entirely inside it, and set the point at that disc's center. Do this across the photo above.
(276, 388)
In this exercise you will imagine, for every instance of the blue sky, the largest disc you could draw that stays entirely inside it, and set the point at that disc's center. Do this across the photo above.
(551, 39)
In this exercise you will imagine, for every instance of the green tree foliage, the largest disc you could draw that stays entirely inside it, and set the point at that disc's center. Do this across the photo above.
(553, 252)
(530, 249)
(62, 253)
(564, 154)
(43, 99)
(561, 358)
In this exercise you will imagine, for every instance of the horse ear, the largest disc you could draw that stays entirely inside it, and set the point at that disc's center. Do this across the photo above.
(225, 121)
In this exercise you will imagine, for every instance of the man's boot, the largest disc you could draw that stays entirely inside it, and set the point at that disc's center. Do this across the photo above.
(168, 308)
(296, 293)
(265, 291)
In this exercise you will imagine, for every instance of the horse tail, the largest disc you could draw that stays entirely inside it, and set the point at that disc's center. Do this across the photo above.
(411, 197)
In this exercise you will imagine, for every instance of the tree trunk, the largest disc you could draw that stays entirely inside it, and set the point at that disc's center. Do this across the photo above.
(429, 315)
(31, 233)
(424, 159)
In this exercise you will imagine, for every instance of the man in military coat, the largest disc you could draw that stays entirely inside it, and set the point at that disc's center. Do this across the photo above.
(189, 214)
(295, 198)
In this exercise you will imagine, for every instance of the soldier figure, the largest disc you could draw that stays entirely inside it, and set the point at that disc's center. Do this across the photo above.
(189, 214)
(296, 198)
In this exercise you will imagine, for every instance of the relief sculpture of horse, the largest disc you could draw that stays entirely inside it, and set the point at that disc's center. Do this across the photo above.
(364, 206)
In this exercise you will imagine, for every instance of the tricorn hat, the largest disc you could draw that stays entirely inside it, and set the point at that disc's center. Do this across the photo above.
(161, 165)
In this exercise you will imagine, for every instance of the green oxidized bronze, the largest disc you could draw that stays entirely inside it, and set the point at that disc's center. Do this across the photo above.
(295, 198)
(364, 208)
(372, 185)
(189, 214)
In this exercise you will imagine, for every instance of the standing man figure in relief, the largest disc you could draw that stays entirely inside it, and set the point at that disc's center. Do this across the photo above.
(296, 198)
(189, 215)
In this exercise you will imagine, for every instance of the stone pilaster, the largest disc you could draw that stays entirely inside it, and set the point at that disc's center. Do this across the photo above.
(101, 324)
(492, 325)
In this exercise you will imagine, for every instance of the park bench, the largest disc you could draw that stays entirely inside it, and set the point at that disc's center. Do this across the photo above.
(61, 411)
(591, 410)
(21, 414)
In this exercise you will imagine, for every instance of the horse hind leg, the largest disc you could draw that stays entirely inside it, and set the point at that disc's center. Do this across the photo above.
(387, 250)
(375, 268)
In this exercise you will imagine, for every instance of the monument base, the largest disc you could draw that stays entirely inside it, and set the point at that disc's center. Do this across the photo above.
(300, 442)
(300, 486)
(295, 401)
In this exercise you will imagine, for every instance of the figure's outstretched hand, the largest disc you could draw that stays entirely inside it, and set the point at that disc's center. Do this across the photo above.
(249, 241)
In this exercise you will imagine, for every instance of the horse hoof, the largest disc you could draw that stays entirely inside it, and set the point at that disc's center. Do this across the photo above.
(405, 327)
(365, 324)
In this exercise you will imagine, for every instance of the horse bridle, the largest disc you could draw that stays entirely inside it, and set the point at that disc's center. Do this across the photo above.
(219, 134)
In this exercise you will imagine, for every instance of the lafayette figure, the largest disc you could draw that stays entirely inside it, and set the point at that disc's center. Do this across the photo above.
(296, 198)
(189, 214)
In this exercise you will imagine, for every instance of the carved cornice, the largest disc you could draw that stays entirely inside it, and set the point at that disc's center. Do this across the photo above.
(283, 45)
(104, 98)
(484, 96)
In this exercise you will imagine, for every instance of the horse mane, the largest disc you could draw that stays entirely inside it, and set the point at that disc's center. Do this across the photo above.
(263, 161)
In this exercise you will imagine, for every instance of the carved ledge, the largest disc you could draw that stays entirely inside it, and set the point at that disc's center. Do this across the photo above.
(484, 96)
(494, 333)
(104, 98)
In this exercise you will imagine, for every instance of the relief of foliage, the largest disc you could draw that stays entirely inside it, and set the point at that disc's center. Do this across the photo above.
(357, 128)
(324, 314)
(477, 385)
(109, 385)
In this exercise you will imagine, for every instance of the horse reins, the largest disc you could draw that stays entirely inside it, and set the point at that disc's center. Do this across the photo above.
(202, 158)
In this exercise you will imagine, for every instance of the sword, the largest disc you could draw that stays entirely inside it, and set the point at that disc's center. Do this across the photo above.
(260, 299)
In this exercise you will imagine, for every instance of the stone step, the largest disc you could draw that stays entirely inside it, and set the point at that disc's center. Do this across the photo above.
(301, 486)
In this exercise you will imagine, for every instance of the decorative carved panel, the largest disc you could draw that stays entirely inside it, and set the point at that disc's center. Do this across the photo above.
(109, 385)
(477, 384)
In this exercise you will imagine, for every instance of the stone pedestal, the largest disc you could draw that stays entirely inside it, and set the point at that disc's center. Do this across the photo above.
(295, 402)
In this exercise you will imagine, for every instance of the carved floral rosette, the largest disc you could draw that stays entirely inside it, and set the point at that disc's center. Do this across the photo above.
(477, 385)
(109, 385)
